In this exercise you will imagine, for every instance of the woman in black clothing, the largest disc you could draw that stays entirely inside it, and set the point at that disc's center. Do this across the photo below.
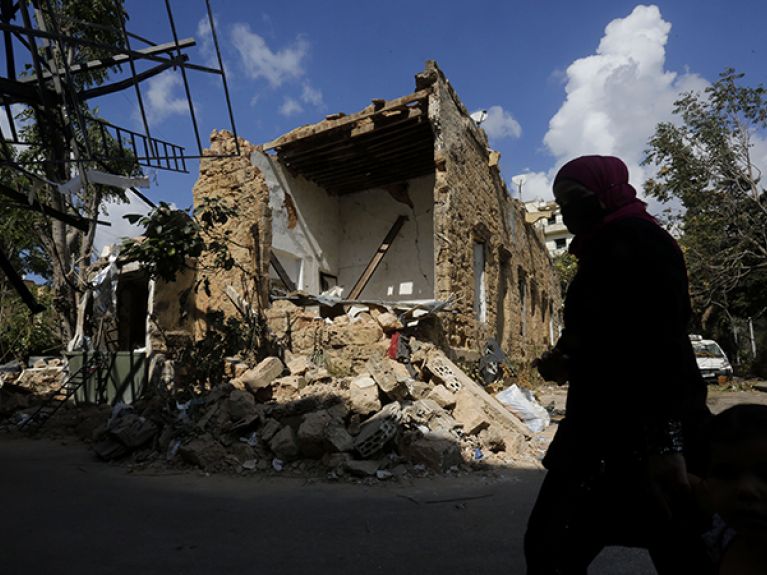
(636, 404)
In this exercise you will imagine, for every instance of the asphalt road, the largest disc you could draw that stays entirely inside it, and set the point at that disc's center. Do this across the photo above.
(64, 512)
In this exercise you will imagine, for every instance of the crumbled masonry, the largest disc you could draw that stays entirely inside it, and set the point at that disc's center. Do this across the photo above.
(381, 421)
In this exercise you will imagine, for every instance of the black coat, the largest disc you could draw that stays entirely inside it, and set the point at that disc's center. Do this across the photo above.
(632, 367)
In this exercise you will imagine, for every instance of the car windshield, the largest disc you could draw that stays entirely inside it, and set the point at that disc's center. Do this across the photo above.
(706, 349)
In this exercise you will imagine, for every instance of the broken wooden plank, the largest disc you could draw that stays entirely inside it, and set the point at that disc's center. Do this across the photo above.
(281, 273)
(377, 257)
(307, 131)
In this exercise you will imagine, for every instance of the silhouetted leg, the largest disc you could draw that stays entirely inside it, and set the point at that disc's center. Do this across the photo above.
(563, 533)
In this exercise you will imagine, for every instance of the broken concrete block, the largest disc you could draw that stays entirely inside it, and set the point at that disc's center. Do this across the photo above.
(491, 439)
(444, 371)
(284, 444)
(436, 453)
(108, 449)
(299, 365)
(443, 423)
(270, 427)
(378, 431)
(337, 437)
(133, 430)
(361, 468)
(263, 374)
(388, 322)
(364, 395)
(423, 410)
(240, 368)
(311, 433)
(285, 388)
(362, 331)
(417, 389)
(389, 377)
(335, 460)
(241, 405)
(205, 453)
(318, 375)
(443, 396)
(513, 430)
(469, 412)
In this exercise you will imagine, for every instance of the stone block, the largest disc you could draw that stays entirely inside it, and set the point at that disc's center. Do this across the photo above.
(284, 444)
(469, 412)
(269, 429)
(311, 433)
(437, 454)
(287, 388)
(363, 468)
(443, 396)
(337, 438)
(388, 322)
(299, 365)
(241, 405)
(364, 395)
(263, 374)
(202, 452)
(133, 430)
(389, 377)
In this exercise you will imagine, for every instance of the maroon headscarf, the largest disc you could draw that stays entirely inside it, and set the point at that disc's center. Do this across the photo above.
(608, 178)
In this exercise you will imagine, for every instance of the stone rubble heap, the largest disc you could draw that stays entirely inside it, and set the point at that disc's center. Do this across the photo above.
(384, 418)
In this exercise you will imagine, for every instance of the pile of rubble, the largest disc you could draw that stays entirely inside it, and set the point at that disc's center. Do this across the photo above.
(19, 387)
(405, 409)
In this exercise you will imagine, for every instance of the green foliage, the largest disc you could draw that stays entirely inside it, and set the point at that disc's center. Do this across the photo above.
(172, 237)
(21, 334)
(704, 166)
(566, 265)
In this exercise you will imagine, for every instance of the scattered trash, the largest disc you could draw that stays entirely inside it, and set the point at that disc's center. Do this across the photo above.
(522, 404)
(251, 439)
(277, 464)
(478, 455)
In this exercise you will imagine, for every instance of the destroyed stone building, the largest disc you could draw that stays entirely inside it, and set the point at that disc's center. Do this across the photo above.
(400, 202)
(403, 206)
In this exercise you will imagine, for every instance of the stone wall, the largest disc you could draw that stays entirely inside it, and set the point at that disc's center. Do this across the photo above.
(473, 206)
(239, 184)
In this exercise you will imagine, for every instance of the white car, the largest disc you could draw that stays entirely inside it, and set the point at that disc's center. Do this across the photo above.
(712, 361)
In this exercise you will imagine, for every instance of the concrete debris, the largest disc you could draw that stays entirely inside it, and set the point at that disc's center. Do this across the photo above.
(388, 418)
(204, 452)
(263, 374)
(437, 453)
(442, 396)
(361, 468)
(364, 395)
(284, 444)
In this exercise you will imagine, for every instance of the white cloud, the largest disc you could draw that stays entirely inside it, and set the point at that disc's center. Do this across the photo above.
(120, 228)
(160, 99)
(290, 107)
(312, 96)
(260, 61)
(616, 97)
(534, 186)
(498, 123)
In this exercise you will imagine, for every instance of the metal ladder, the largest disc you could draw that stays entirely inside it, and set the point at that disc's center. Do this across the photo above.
(57, 400)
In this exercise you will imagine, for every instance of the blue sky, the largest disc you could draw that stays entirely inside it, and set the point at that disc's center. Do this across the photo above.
(560, 78)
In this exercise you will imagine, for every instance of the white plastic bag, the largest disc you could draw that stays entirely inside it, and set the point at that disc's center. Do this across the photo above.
(522, 404)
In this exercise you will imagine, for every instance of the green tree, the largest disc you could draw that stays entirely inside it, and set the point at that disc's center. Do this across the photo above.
(705, 168)
(57, 133)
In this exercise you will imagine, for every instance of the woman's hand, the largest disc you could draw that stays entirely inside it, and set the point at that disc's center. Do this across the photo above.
(552, 366)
